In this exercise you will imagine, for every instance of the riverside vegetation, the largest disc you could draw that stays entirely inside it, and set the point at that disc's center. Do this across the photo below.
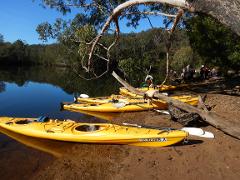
(137, 52)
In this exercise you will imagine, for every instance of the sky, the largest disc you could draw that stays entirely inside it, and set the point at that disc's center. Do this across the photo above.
(19, 19)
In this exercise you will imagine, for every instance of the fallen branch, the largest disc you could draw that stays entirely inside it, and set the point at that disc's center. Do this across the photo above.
(212, 118)
(201, 104)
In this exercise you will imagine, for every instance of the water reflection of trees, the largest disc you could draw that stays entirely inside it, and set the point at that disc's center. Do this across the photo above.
(62, 77)
(2, 86)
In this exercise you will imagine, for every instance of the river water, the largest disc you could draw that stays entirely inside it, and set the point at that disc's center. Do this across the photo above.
(34, 92)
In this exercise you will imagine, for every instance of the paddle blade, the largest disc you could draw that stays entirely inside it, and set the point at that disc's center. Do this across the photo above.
(162, 111)
(198, 132)
(83, 96)
(207, 135)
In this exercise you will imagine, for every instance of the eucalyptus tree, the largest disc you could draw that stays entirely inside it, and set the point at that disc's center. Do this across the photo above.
(97, 11)
(215, 43)
(97, 18)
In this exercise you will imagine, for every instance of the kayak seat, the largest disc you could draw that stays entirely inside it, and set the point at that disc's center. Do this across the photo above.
(114, 101)
(87, 128)
(43, 119)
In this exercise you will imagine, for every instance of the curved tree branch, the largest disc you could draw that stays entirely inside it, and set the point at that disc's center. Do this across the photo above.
(119, 9)
(225, 11)
(152, 13)
(168, 43)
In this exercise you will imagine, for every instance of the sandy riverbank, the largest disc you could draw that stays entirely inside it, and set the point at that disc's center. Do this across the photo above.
(217, 158)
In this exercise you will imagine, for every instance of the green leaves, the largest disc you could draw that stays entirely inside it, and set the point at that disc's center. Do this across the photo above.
(215, 43)
(85, 35)
(60, 5)
(182, 57)
(45, 31)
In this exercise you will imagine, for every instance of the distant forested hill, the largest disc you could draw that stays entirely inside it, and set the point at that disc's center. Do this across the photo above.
(202, 40)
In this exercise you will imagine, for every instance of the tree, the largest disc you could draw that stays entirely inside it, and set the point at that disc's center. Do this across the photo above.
(18, 51)
(215, 43)
(1, 39)
(225, 11)
(97, 12)
(182, 58)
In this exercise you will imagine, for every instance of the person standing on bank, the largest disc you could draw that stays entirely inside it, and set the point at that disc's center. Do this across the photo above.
(149, 81)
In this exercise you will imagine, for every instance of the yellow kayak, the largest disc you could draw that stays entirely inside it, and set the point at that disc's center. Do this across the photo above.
(128, 106)
(123, 91)
(92, 132)
(113, 107)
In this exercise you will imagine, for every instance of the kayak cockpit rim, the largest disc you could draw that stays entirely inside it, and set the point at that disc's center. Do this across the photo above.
(90, 127)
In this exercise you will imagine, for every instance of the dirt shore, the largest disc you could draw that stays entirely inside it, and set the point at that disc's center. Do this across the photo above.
(217, 158)
(198, 159)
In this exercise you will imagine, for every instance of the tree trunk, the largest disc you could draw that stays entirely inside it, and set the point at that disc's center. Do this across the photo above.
(212, 118)
(225, 11)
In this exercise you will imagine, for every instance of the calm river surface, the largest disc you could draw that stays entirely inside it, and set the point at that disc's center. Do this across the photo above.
(34, 92)
(38, 91)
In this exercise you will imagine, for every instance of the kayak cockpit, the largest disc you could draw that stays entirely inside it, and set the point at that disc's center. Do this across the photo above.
(81, 128)
(23, 121)
(88, 128)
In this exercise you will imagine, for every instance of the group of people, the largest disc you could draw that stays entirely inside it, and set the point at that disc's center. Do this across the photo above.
(188, 74)
(204, 72)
